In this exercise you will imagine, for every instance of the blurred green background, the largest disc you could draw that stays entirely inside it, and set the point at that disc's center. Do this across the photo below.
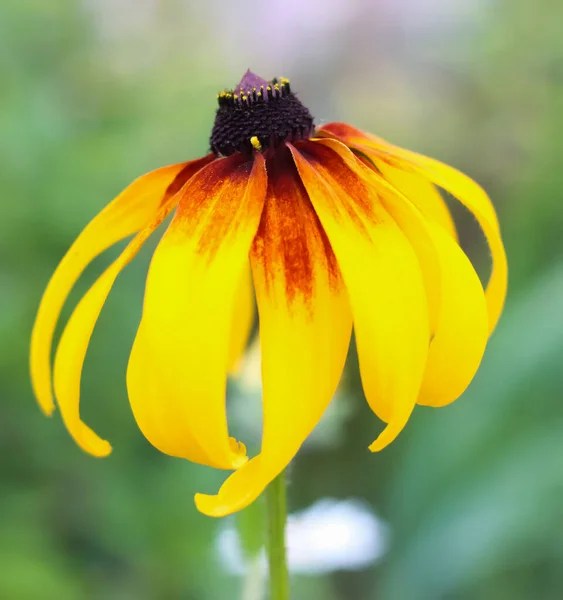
(94, 93)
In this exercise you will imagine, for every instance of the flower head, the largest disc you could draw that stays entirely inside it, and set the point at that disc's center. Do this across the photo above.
(335, 228)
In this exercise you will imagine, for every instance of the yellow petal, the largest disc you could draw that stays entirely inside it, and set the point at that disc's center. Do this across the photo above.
(142, 382)
(177, 391)
(461, 336)
(384, 282)
(422, 193)
(476, 200)
(458, 312)
(409, 219)
(305, 327)
(243, 318)
(469, 193)
(74, 342)
(127, 214)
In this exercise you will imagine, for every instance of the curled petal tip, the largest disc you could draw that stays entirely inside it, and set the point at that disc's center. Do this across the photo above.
(376, 446)
(103, 451)
(41, 385)
(100, 448)
(239, 457)
(239, 490)
(211, 506)
(47, 408)
(387, 435)
(89, 441)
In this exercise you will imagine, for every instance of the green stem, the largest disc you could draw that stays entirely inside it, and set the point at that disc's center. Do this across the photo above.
(277, 513)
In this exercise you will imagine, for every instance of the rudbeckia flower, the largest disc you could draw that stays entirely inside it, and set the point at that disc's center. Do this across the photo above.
(332, 228)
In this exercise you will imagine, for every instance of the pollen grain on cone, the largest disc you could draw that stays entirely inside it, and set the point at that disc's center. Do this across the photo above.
(259, 115)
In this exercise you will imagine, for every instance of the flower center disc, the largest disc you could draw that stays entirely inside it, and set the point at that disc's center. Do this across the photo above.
(258, 115)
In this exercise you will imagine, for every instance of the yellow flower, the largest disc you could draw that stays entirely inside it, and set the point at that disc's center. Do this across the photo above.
(334, 227)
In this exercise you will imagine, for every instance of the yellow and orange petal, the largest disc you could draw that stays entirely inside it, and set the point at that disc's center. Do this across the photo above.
(73, 345)
(469, 193)
(305, 327)
(178, 367)
(384, 282)
(132, 210)
(457, 308)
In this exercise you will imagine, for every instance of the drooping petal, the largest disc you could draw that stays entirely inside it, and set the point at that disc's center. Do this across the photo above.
(243, 317)
(422, 193)
(72, 348)
(127, 214)
(407, 216)
(458, 314)
(305, 327)
(457, 307)
(469, 193)
(142, 382)
(177, 372)
(384, 282)
(461, 335)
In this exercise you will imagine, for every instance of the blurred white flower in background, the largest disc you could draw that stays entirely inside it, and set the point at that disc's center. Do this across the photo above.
(331, 535)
